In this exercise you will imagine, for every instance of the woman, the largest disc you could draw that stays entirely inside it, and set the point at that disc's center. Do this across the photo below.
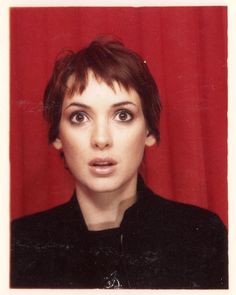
(103, 109)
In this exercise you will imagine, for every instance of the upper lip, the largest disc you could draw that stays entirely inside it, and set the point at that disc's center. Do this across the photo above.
(102, 161)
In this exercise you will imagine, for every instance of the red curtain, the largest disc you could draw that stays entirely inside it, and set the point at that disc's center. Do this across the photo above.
(186, 50)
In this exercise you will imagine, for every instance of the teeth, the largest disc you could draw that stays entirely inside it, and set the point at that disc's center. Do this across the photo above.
(103, 164)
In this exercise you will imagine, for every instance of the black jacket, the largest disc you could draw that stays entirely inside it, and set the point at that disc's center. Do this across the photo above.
(160, 244)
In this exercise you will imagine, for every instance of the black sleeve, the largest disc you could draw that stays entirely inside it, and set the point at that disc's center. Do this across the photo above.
(218, 256)
(24, 256)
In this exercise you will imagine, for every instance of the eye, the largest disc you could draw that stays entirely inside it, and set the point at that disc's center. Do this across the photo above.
(124, 115)
(78, 117)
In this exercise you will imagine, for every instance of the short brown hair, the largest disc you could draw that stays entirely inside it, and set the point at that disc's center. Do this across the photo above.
(110, 61)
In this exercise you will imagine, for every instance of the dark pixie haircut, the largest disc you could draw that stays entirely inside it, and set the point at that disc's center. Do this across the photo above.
(111, 62)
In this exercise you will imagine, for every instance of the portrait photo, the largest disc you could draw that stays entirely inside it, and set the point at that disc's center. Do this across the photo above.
(118, 147)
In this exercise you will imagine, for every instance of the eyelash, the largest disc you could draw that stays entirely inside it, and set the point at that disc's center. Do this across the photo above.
(75, 115)
(127, 113)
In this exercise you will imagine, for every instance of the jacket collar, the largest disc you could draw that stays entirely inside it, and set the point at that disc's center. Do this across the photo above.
(132, 215)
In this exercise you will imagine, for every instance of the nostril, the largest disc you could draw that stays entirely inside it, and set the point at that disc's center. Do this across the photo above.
(101, 136)
(101, 144)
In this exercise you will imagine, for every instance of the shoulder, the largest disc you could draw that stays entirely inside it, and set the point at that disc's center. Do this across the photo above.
(42, 225)
(185, 231)
(191, 239)
(42, 216)
(180, 217)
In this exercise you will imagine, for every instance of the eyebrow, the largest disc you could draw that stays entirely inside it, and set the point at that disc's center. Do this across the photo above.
(118, 104)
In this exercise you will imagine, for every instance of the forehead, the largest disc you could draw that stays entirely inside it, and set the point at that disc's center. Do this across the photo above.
(96, 90)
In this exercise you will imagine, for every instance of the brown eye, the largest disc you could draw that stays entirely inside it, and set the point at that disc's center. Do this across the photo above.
(124, 116)
(78, 117)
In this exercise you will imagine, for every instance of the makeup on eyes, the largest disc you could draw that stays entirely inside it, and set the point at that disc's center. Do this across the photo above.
(78, 117)
(79, 113)
(124, 115)
(120, 115)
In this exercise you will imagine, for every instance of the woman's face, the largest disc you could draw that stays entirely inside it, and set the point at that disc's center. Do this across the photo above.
(103, 133)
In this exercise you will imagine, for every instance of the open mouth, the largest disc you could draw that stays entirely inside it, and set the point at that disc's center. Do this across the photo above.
(102, 162)
(101, 166)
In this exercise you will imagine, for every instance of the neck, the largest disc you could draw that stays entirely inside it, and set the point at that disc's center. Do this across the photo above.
(106, 210)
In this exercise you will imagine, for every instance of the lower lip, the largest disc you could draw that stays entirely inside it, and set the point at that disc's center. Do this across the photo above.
(102, 170)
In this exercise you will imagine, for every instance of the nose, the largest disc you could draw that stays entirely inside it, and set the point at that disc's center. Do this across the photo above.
(101, 136)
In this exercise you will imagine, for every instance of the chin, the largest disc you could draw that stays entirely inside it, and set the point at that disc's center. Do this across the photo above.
(102, 184)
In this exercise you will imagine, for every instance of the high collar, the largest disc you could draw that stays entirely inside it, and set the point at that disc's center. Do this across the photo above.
(131, 215)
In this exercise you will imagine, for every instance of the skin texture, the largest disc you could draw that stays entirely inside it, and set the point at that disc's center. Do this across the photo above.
(103, 123)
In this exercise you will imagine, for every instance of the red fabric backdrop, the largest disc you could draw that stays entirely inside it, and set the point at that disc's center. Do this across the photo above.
(186, 50)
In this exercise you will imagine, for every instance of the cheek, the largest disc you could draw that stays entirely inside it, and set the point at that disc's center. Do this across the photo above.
(133, 143)
(72, 143)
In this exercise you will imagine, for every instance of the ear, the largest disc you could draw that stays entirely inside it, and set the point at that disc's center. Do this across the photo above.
(150, 139)
(57, 144)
